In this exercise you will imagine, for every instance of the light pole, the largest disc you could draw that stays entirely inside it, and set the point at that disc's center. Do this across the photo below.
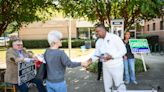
(56, 2)
(69, 37)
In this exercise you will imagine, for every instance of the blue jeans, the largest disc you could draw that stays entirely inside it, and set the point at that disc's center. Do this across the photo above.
(129, 70)
(24, 88)
(56, 87)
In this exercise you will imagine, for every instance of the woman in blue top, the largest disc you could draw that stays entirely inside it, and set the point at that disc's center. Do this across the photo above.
(129, 62)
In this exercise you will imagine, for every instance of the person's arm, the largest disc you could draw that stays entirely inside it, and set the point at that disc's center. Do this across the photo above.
(67, 62)
(12, 56)
(120, 48)
(96, 53)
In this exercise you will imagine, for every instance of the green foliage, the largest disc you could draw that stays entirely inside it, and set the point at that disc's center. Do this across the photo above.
(35, 43)
(143, 36)
(30, 44)
(88, 9)
(138, 66)
(105, 10)
(93, 67)
(12, 27)
(24, 11)
(135, 10)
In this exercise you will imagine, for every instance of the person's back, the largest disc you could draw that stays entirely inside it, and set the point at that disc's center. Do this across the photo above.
(57, 61)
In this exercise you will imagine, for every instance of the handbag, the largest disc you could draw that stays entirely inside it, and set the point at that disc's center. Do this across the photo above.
(42, 70)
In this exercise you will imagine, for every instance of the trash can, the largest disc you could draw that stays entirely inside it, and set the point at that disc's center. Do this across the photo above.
(153, 40)
(83, 48)
(88, 44)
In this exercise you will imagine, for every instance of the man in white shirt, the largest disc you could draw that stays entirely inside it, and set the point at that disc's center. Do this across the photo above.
(110, 49)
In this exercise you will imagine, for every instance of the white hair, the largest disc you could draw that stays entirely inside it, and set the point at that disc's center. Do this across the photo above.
(54, 36)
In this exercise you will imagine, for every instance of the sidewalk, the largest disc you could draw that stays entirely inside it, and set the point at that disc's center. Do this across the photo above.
(79, 80)
(154, 76)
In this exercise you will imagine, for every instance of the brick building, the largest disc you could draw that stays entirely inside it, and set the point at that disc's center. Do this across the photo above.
(39, 30)
(155, 27)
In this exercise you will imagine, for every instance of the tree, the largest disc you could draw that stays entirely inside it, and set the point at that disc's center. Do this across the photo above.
(92, 10)
(17, 12)
(136, 10)
(104, 10)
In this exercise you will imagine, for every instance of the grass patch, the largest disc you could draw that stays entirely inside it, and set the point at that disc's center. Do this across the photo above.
(3, 48)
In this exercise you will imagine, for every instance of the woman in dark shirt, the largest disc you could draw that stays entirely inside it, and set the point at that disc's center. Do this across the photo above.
(129, 62)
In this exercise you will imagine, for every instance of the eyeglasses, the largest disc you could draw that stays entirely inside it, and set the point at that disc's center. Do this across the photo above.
(19, 44)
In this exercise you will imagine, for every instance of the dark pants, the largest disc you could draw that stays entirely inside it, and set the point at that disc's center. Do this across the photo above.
(39, 84)
(99, 70)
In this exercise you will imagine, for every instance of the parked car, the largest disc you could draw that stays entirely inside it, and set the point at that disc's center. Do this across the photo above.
(4, 41)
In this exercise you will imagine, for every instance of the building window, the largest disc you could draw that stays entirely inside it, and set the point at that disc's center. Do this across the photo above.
(147, 27)
(153, 26)
(161, 25)
(83, 33)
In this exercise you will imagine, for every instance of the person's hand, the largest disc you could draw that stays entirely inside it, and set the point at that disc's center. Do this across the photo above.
(35, 58)
(84, 64)
(28, 59)
(125, 57)
(89, 61)
(107, 57)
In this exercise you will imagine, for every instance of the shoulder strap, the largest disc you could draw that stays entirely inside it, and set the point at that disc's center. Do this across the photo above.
(45, 55)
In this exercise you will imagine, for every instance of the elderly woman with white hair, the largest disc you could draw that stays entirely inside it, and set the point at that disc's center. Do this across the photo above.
(57, 61)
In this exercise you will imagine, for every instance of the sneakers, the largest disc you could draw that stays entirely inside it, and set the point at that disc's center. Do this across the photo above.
(126, 82)
(135, 82)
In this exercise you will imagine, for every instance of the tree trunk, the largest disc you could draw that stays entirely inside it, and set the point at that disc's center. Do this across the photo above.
(5, 5)
(99, 14)
(3, 27)
(108, 9)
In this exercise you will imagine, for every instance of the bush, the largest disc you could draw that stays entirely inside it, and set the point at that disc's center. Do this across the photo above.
(30, 44)
(93, 67)
(2, 48)
(138, 66)
(76, 43)
(143, 36)
(35, 44)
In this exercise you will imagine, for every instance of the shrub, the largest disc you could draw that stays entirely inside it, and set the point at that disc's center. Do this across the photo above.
(138, 66)
(30, 44)
(35, 44)
(93, 67)
(143, 36)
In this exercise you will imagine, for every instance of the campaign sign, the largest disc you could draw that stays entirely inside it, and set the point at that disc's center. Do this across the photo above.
(139, 45)
(26, 72)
